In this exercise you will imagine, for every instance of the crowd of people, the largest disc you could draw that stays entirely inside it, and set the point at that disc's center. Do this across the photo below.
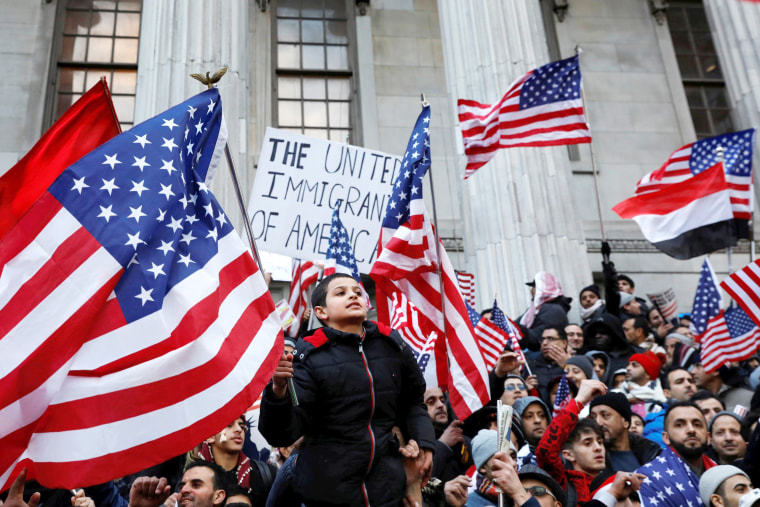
(614, 410)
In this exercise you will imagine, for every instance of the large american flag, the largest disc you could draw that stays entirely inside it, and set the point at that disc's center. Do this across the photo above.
(407, 263)
(744, 287)
(708, 323)
(693, 158)
(542, 108)
(304, 274)
(135, 322)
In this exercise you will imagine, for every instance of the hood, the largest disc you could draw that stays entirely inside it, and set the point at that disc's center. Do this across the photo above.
(609, 324)
(591, 354)
(521, 404)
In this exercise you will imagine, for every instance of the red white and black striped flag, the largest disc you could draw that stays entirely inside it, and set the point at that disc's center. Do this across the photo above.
(134, 321)
(542, 108)
(407, 263)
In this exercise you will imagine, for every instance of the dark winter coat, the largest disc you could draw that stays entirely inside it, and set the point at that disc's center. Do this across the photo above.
(553, 313)
(351, 393)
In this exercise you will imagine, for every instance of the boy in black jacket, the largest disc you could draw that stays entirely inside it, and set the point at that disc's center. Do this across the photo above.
(355, 380)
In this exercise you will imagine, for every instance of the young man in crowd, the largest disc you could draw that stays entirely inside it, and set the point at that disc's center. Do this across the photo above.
(575, 337)
(550, 362)
(636, 330)
(723, 486)
(713, 382)
(625, 451)
(677, 385)
(640, 386)
(581, 443)
(535, 417)
(532, 487)
(514, 389)
(708, 403)
(673, 477)
(453, 454)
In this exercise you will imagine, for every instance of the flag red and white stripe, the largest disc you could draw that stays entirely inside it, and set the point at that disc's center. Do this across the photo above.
(714, 339)
(492, 340)
(304, 274)
(466, 283)
(529, 114)
(744, 288)
(407, 263)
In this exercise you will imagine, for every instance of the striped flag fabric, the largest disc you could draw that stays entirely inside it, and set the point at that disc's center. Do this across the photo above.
(135, 322)
(708, 323)
(744, 287)
(542, 108)
(686, 219)
(563, 397)
(490, 337)
(87, 124)
(466, 283)
(694, 158)
(499, 318)
(406, 319)
(304, 275)
(407, 262)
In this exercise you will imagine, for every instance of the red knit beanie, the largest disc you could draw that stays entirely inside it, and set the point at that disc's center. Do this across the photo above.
(651, 363)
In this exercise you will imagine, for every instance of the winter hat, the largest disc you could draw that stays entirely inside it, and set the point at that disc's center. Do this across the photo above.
(584, 363)
(484, 445)
(625, 298)
(539, 475)
(626, 278)
(681, 338)
(593, 288)
(714, 477)
(521, 404)
(721, 414)
(479, 420)
(616, 401)
(650, 361)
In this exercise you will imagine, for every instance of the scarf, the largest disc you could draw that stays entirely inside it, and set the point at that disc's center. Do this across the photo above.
(586, 313)
(547, 288)
(486, 487)
(242, 470)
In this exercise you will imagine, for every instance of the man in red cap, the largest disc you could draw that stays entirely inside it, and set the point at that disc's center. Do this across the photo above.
(641, 386)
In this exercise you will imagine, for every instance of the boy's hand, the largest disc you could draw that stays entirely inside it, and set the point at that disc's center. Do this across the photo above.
(589, 390)
(426, 467)
(411, 450)
(281, 375)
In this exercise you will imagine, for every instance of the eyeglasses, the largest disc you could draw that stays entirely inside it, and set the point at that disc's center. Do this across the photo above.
(515, 387)
(552, 338)
(539, 491)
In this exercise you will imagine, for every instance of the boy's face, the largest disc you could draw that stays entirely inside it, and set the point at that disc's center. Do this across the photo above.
(344, 303)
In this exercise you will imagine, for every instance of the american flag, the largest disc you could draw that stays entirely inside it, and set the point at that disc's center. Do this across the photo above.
(708, 323)
(696, 157)
(744, 287)
(340, 256)
(669, 482)
(466, 283)
(134, 320)
(562, 398)
(304, 274)
(406, 320)
(490, 337)
(542, 108)
(407, 263)
(499, 318)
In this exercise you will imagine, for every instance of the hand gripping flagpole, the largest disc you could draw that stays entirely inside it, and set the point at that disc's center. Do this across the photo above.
(210, 81)
(437, 238)
(593, 158)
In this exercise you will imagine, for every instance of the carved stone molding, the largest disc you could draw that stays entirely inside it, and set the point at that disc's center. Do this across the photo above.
(594, 245)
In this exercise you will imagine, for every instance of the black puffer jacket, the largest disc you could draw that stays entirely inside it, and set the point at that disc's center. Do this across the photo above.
(350, 396)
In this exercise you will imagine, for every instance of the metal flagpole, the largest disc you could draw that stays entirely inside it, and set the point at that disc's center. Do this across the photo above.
(593, 156)
(437, 238)
(720, 151)
(209, 81)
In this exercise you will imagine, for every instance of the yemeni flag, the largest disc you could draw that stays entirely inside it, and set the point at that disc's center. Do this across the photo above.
(686, 219)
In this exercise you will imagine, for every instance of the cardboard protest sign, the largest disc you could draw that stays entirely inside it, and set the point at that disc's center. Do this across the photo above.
(301, 179)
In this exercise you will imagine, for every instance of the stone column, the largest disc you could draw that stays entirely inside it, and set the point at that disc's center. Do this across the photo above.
(517, 210)
(736, 34)
(178, 38)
